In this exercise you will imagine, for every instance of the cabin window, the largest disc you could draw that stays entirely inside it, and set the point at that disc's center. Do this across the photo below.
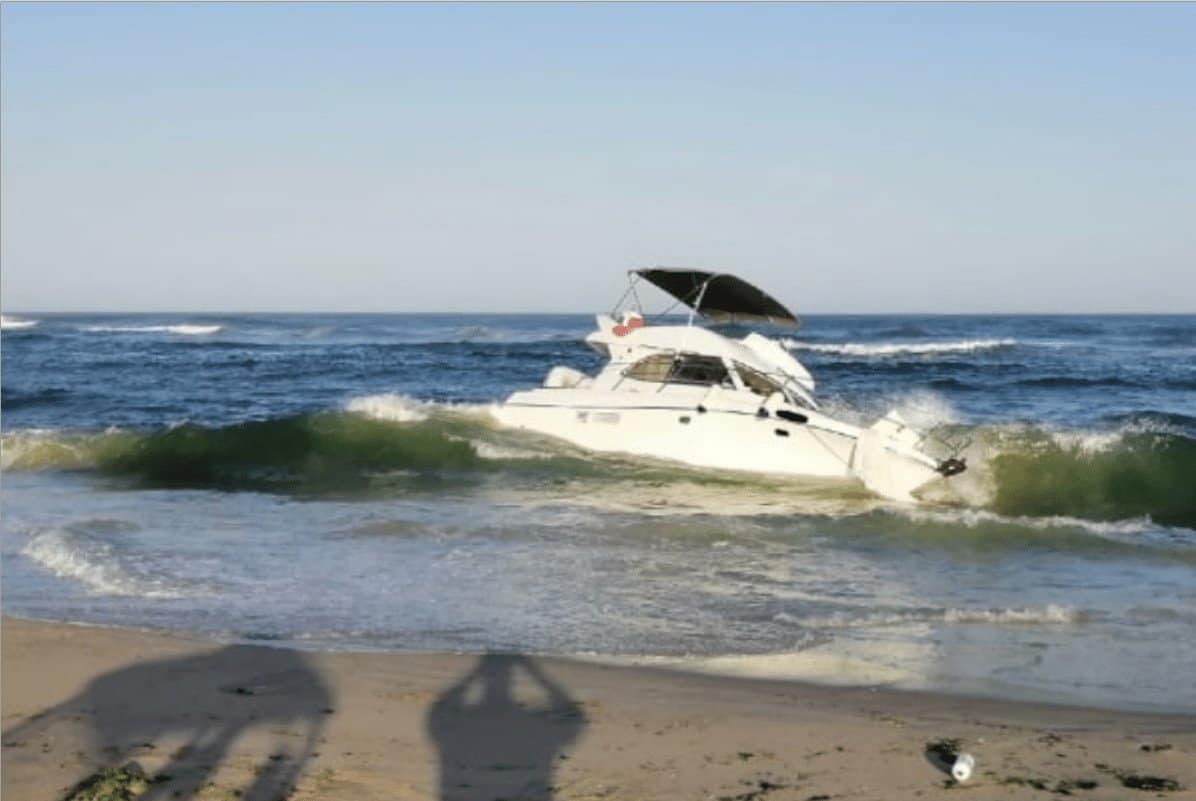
(680, 369)
(654, 368)
(706, 370)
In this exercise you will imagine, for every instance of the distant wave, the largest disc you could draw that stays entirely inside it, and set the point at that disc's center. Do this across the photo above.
(184, 329)
(15, 323)
(1062, 382)
(866, 349)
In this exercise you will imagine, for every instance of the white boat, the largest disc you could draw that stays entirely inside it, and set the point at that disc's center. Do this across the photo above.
(686, 393)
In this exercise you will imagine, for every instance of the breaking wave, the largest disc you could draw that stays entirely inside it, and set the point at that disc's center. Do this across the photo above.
(871, 349)
(324, 451)
(1130, 473)
(1027, 476)
(186, 329)
(15, 323)
(396, 408)
(83, 552)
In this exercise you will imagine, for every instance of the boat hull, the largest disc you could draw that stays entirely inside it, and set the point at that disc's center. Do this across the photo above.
(695, 430)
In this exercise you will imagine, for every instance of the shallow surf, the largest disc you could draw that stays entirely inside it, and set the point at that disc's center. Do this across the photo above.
(338, 482)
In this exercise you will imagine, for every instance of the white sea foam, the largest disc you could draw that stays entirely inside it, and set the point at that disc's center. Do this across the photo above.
(1050, 614)
(390, 406)
(835, 664)
(399, 408)
(13, 323)
(184, 329)
(869, 349)
(489, 450)
(974, 518)
(1030, 615)
(1087, 442)
(35, 447)
(70, 552)
(925, 410)
(1083, 441)
(48, 448)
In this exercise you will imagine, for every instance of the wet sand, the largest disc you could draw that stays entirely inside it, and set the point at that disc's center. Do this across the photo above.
(201, 720)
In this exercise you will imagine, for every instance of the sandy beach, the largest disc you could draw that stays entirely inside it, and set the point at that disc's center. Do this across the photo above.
(198, 719)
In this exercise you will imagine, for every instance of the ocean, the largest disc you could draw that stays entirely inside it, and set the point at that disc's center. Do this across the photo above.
(337, 482)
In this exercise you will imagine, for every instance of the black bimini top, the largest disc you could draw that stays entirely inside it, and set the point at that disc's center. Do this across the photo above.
(725, 299)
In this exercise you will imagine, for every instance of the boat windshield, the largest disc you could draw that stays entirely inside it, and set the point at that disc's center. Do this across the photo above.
(682, 368)
(756, 381)
(765, 385)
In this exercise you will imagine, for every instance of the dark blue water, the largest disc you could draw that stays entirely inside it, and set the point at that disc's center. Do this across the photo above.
(337, 481)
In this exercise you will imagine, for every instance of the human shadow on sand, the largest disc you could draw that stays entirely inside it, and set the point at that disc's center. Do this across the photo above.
(195, 708)
(502, 730)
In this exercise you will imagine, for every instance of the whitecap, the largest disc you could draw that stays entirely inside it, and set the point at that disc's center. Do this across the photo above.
(973, 518)
(1030, 615)
(15, 323)
(390, 406)
(870, 349)
(185, 329)
(399, 408)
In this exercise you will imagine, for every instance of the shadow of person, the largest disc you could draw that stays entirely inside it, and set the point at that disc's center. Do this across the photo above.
(500, 737)
(196, 708)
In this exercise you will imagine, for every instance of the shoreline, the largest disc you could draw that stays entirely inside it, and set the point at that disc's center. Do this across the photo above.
(672, 665)
(217, 719)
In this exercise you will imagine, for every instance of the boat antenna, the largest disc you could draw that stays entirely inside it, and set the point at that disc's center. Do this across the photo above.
(698, 303)
(633, 279)
(635, 294)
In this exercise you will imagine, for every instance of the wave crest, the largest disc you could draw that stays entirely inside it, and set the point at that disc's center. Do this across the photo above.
(184, 329)
(874, 349)
(1113, 483)
(1128, 473)
(15, 323)
(393, 407)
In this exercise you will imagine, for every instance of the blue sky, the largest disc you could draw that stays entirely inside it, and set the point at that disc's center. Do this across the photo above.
(404, 157)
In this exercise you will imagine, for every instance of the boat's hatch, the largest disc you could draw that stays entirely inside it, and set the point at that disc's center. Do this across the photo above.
(719, 296)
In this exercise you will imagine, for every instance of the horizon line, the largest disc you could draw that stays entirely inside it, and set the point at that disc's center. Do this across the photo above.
(363, 312)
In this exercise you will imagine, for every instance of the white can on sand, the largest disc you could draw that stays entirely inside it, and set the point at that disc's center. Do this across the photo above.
(962, 769)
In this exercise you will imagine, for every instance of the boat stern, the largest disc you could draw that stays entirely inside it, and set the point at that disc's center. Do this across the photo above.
(890, 460)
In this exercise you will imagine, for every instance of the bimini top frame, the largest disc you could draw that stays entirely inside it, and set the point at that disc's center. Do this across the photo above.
(720, 297)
